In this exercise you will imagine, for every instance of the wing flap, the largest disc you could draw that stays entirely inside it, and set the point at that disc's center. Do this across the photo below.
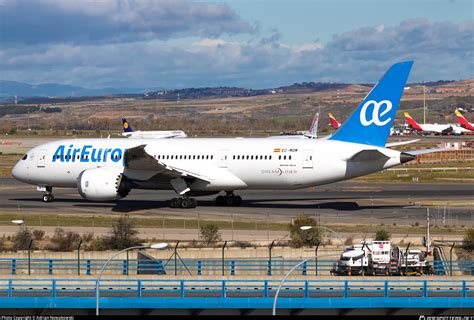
(138, 160)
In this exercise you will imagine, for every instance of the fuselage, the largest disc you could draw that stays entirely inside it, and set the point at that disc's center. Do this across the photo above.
(155, 134)
(441, 128)
(253, 163)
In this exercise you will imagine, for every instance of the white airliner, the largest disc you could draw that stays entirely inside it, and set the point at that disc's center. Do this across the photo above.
(161, 134)
(107, 169)
(436, 128)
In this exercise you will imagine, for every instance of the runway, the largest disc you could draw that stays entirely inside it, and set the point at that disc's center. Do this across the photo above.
(342, 202)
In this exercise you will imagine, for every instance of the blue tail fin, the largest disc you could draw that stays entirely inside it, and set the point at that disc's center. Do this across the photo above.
(126, 126)
(370, 123)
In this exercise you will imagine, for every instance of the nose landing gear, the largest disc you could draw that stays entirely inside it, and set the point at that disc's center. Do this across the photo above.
(48, 196)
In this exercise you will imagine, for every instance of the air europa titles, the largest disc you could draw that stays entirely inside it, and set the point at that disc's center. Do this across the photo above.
(86, 154)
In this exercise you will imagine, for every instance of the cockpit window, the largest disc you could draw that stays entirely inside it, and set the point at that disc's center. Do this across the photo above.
(24, 157)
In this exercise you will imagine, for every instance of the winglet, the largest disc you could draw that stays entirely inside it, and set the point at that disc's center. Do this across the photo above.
(370, 123)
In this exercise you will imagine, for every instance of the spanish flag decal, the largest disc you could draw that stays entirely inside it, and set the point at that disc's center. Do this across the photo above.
(277, 150)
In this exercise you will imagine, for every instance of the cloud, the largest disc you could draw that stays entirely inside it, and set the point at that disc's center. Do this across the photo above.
(440, 50)
(113, 21)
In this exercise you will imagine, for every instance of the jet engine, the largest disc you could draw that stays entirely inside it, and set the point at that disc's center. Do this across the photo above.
(102, 184)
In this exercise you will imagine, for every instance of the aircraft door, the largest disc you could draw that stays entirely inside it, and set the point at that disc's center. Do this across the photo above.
(222, 158)
(41, 159)
(307, 159)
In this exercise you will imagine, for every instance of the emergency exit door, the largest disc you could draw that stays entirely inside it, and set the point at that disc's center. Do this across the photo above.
(42, 158)
(307, 159)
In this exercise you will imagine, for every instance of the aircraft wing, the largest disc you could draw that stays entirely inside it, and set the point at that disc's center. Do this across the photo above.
(139, 165)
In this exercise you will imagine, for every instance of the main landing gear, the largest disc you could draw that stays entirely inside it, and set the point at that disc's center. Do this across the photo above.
(183, 202)
(48, 196)
(229, 200)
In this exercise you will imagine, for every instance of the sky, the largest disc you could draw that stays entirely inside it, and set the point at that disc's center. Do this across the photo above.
(245, 43)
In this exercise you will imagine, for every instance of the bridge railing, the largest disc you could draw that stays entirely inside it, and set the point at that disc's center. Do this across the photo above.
(236, 288)
(228, 267)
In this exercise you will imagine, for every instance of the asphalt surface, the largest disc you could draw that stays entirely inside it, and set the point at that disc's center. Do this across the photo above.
(342, 202)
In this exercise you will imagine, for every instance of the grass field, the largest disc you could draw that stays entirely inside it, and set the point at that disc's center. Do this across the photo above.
(465, 173)
(37, 221)
(7, 161)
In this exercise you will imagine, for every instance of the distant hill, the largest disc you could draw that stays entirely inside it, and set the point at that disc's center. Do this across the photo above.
(55, 93)
(226, 92)
(22, 90)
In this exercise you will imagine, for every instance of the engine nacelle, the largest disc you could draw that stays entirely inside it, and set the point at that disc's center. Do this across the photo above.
(102, 184)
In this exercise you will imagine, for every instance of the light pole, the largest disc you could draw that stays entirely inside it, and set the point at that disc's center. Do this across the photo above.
(289, 273)
(157, 246)
(306, 228)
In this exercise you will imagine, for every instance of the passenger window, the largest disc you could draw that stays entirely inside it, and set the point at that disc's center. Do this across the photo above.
(289, 157)
(26, 156)
(279, 157)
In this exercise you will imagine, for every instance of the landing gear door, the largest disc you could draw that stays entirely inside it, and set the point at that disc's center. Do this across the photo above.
(41, 159)
(307, 159)
(222, 158)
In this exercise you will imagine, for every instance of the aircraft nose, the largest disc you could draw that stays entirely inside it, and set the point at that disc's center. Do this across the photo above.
(19, 171)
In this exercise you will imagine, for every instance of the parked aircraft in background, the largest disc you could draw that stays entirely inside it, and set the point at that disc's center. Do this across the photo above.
(463, 121)
(128, 132)
(108, 169)
(435, 128)
(312, 132)
(335, 124)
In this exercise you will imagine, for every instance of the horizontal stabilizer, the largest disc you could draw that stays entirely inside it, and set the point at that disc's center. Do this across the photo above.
(425, 151)
(400, 143)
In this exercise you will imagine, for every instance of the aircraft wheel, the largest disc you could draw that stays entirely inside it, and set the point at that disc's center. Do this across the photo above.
(185, 203)
(175, 203)
(192, 203)
(229, 201)
(48, 197)
(220, 201)
(237, 201)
